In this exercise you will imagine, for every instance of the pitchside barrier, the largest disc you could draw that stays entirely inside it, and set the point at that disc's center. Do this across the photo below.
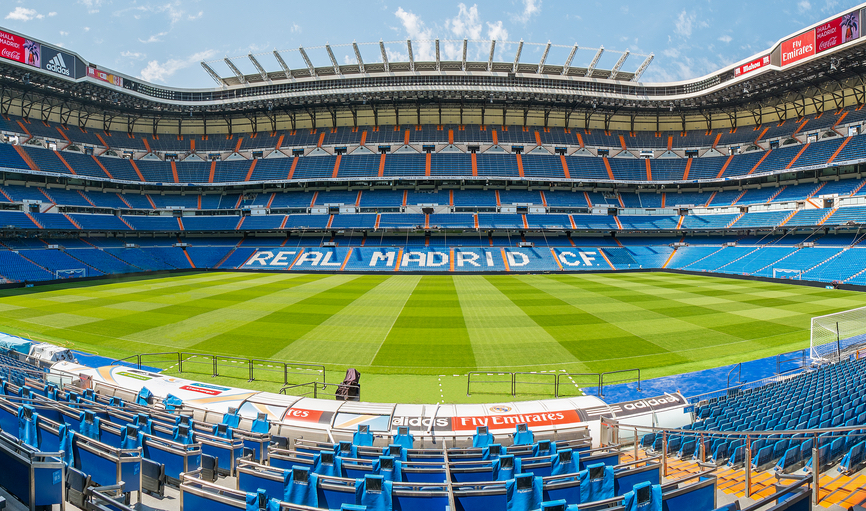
(549, 382)
(251, 369)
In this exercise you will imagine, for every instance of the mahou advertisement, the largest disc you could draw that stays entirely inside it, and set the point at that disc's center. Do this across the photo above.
(22, 50)
(798, 48)
(752, 66)
(838, 31)
(92, 72)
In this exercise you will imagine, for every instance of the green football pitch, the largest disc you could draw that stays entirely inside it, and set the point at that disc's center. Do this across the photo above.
(414, 338)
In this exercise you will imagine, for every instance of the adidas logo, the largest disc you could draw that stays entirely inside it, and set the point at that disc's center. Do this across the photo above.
(57, 65)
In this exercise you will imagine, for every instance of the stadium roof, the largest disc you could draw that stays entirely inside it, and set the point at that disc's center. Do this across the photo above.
(817, 67)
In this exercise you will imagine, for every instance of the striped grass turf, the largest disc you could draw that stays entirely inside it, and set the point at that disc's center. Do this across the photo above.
(387, 325)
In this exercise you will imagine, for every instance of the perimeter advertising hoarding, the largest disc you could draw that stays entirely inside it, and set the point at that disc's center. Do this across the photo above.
(19, 49)
(61, 63)
(752, 66)
(102, 76)
(837, 31)
(798, 48)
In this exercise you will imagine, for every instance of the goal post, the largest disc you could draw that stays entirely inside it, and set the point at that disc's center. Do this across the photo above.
(782, 273)
(70, 273)
(835, 335)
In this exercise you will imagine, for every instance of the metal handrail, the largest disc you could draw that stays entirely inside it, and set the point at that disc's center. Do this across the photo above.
(182, 356)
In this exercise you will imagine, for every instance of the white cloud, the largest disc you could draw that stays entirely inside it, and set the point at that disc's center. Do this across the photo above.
(64, 33)
(803, 6)
(466, 23)
(296, 29)
(530, 9)
(193, 17)
(91, 5)
(135, 55)
(415, 29)
(348, 60)
(684, 24)
(154, 38)
(726, 39)
(671, 52)
(23, 14)
(52, 13)
(496, 32)
(156, 72)
(87, 29)
(831, 6)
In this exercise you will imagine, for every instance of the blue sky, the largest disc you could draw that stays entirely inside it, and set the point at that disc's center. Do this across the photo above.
(163, 41)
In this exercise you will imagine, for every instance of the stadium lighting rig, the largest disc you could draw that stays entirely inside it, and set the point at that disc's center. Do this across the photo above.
(464, 61)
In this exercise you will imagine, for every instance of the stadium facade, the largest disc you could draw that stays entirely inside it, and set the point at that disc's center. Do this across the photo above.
(430, 166)
(453, 166)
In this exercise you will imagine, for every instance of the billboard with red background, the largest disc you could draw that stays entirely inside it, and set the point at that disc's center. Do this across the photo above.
(798, 48)
(838, 31)
(22, 50)
(752, 66)
(92, 72)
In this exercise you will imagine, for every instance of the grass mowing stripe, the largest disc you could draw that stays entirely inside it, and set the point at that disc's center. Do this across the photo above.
(353, 336)
(430, 330)
(275, 332)
(412, 327)
(501, 334)
(193, 324)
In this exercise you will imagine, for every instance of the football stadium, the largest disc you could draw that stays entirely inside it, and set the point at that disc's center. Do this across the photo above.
(435, 284)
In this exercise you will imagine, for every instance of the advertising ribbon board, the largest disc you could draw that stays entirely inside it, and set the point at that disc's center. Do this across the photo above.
(19, 49)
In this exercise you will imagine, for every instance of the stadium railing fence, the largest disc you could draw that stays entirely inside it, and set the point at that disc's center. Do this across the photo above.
(251, 369)
(546, 379)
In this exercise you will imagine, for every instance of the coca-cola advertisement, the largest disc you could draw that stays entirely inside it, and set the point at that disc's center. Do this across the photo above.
(752, 66)
(838, 31)
(798, 48)
(22, 50)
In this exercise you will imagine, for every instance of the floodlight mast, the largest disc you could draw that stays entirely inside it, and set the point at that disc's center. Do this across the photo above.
(307, 61)
(437, 56)
(465, 48)
(259, 67)
(594, 62)
(235, 70)
(642, 68)
(283, 64)
(543, 58)
(384, 55)
(358, 57)
(411, 55)
(618, 66)
(333, 60)
(213, 74)
(517, 57)
(567, 65)
(490, 59)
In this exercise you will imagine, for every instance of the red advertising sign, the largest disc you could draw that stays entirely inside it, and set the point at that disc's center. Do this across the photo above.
(202, 390)
(22, 50)
(301, 415)
(753, 65)
(798, 48)
(532, 420)
(835, 32)
(92, 72)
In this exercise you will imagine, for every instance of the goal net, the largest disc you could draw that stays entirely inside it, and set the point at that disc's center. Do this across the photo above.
(70, 274)
(781, 273)
(834, 336)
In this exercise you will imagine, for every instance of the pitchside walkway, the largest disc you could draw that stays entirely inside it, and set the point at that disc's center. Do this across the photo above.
(707, 381)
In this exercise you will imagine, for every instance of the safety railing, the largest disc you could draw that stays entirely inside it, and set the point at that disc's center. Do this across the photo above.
(316, 389)
(251, 369)
(818, 438)
(548, 379)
